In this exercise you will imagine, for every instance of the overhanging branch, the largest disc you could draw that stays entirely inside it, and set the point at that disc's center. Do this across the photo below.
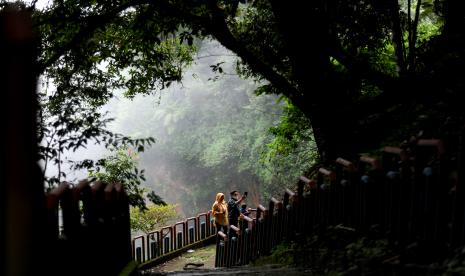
(219, 29)
(93, 23)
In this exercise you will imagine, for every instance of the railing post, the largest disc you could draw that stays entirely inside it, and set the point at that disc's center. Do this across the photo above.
(211, 228)
(71, 217)
(191, 230)
(185, 233)
(326, 182)
(152, 246)
(123, 222)
(372, 181)
(247, 229)
(260, 236)
(270, 226)
(166, 233)
(345, 180)
(311, 203)
(53, 205)
(82, 192)
(234, 243)
(298, 205)
(202, 222)
(138, 252)
(222, 249)
(179, 235)
(400, 188)
(305, 204)
(431, 180)
(458, 221)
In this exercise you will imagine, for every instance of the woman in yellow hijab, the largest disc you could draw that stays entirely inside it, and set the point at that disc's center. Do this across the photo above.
(220, 213)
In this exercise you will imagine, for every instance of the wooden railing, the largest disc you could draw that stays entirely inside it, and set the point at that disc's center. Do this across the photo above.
(88, 231)
(413, 193)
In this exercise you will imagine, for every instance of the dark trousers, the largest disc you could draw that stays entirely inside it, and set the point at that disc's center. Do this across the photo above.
(232, 233)
(223, 228)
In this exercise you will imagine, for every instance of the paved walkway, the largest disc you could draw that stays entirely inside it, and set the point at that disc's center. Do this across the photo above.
(273, 270)
(206, 256)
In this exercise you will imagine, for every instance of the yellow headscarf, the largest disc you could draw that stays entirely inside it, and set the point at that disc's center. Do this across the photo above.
(220, 210)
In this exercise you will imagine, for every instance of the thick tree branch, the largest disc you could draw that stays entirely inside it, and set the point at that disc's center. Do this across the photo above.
(413, 38)
(223, 35)
(397, 37)
(216, 25)
(309, 61)
(409, 23)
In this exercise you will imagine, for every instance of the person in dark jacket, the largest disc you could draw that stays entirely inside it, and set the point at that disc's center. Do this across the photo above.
(234, 210)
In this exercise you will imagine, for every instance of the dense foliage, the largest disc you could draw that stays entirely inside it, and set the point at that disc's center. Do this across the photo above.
(121, 166)
(214, 136)
(367, 54)
(155, 217)
(73, 125)
(369, 68)
(354, 74)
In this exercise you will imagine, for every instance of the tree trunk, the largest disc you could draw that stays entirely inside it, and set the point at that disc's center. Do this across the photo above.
(320, 97)
(22, 199)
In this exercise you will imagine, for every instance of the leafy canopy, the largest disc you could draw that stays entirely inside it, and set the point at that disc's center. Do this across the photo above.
(122, 166)
(366, 54)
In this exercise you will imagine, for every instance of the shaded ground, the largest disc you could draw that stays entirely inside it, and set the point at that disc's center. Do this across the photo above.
(274, 270)
(204, 255)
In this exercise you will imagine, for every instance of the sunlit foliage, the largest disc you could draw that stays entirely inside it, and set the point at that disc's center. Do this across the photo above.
(153, 218)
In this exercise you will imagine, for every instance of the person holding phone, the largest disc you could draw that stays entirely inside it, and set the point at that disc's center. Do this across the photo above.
(234, 210)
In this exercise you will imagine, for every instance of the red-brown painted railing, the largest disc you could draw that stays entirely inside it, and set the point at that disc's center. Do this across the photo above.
(178, 237)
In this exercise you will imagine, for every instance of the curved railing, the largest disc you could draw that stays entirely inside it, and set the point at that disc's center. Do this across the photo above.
(169, 241)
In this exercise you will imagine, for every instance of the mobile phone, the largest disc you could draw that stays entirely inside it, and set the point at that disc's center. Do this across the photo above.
(245, 193)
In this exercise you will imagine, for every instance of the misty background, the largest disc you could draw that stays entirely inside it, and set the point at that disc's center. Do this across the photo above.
(211, 131)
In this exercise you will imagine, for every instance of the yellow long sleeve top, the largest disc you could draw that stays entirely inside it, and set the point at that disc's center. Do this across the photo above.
(220, 210)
